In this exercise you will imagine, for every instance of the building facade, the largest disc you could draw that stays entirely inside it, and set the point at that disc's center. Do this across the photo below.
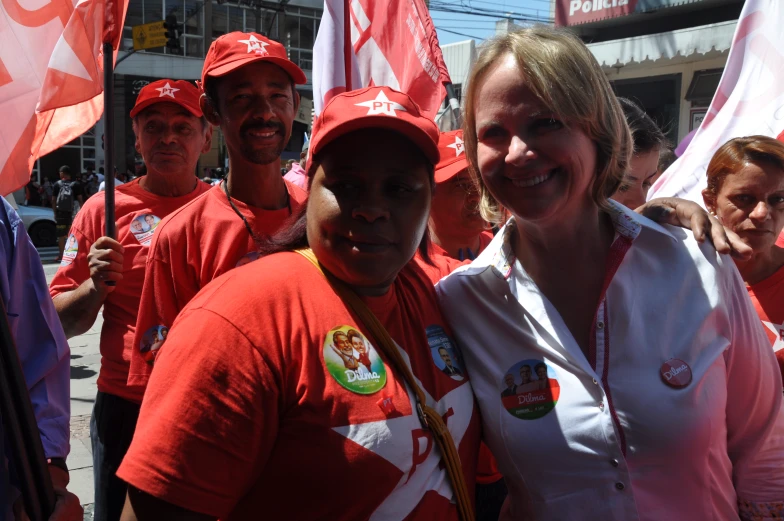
(293, 23)
(668, 55)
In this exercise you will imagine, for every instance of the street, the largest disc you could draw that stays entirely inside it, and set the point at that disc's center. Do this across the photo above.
(85, 362)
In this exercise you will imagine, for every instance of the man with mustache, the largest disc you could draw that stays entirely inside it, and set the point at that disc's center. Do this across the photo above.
(171, 134)
(248, 86)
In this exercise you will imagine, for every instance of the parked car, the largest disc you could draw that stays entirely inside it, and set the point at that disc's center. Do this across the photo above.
(39, 223)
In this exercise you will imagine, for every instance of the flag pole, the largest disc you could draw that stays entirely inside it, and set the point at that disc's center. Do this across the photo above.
(108, 132)
(348, 49)
(28, 461)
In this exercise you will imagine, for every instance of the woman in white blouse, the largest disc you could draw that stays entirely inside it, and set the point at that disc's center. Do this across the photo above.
(662, 399)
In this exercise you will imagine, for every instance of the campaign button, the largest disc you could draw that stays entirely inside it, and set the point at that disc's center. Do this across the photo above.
(676, 373)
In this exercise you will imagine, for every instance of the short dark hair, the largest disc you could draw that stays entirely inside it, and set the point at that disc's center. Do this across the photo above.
(666, 158)
(65, 169)
(540, 364)
(646, 134)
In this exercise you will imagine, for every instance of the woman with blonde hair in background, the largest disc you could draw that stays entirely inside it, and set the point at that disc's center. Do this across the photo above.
(661, 399)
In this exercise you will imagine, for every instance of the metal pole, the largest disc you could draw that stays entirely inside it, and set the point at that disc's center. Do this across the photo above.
(27, 452)
(108, 132)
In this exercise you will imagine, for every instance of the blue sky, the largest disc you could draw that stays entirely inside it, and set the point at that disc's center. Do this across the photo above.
(451, 16)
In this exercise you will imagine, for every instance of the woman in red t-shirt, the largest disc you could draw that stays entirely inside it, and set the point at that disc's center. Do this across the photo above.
(271, 399)
(746, 191)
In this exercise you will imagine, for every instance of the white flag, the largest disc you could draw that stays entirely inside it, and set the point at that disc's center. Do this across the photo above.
(749, 100)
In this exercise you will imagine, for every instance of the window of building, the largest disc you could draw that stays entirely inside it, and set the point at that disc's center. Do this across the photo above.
(296, 29)
(703, 86)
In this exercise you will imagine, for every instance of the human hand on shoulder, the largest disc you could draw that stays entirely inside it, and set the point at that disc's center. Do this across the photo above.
(105, 260)
(690, 215)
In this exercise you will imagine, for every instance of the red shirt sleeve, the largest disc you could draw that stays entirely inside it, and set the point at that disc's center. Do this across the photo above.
(165, 293)
(203, 436)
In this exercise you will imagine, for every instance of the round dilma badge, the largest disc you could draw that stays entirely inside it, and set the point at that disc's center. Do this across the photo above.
(353, 362)
(530, 389)
(676, 373)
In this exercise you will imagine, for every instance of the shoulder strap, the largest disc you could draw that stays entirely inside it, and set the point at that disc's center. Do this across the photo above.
(428, 416)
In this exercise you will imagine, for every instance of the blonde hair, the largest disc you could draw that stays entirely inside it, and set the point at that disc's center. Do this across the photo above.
(563, 74)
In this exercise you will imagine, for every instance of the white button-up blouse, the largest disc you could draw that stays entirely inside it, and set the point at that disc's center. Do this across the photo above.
(674, 415)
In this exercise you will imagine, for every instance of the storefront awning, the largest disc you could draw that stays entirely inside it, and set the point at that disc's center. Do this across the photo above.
(681, 43)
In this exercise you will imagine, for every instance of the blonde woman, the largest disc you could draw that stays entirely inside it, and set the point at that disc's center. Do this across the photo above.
(646, 338)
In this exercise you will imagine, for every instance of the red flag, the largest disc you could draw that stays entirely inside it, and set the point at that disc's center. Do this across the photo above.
(379, 42)
(51, 77)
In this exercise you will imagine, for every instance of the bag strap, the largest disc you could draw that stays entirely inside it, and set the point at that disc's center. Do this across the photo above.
(428, 416)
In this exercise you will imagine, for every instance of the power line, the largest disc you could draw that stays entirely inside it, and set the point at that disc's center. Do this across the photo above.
(450, 8)
(459, 34)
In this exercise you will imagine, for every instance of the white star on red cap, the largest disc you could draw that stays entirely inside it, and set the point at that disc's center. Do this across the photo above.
(254, 44)
(457, 145)
(166, 90)
(381, 105)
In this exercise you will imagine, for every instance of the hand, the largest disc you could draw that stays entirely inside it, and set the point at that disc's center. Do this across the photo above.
(66, 508)
(106, 263)
(690, 215)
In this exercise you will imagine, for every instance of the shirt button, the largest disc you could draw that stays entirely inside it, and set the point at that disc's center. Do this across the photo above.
(619, 486)
(614, 462)
(595, 382)
(601, 405)
(600, 325)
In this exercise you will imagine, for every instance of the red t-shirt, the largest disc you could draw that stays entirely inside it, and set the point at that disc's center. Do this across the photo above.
(259, 406)
(768, 299)
(138, 214)
(192, 247)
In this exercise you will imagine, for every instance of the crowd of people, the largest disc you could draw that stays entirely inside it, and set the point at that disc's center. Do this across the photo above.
(370, 312)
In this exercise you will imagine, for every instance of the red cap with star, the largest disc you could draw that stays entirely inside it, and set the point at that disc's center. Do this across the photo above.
(452, 158)
(181, 92)
(236, 49)
(374, 107)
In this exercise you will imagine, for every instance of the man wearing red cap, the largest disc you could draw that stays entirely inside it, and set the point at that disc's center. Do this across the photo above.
(249, 91)
(171, 134)
(456, 228)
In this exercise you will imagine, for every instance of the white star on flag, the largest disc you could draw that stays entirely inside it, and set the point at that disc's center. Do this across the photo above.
(167, 90)
(776, 329)
(381, 105)
(457, 145)
(386, 438)
(254, 44)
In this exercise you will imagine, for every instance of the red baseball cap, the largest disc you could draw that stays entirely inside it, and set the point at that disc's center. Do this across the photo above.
(452, 158)
(781, 137)
(236, 49)
(374, 107)
(181, 92)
